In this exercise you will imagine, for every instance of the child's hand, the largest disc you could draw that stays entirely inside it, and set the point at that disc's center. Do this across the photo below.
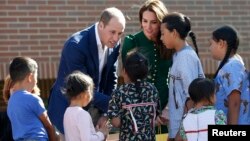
(101, 122)
(161, 121)
(105, 130)
(165, 113)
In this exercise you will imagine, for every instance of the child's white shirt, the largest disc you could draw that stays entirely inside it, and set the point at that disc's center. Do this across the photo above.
(78, 126)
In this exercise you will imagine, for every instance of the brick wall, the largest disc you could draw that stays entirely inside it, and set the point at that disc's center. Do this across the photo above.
(38, 28)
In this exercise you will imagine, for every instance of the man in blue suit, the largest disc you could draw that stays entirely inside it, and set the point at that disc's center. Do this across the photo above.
(93, 51)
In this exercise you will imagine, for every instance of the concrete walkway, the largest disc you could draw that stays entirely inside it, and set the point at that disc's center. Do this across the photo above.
(113, 137)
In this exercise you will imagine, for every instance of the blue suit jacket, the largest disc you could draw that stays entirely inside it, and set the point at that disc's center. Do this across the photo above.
(80, 52)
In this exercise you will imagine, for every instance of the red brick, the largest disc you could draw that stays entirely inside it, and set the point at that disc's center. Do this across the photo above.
(7, 7)
(8, 54)
(28, 19)
(20, 37)
(66, 7)
(47, 19)
(30, 54)
(56, 2)
(16, 2)
(46, 7)
(8, 42)
(67, 19)
(40, 47)
(41, 37)
(36, 2)
(22, 31)
(40, 26)
(29, 42)
(17, 13)
(19, 48)
(38, 13)
(3, 25)
(26, 7)
(57, 13)
(2, 13)
(49, 53)
(47, 31)
(76, 2)
(58, 25)
(8, 19)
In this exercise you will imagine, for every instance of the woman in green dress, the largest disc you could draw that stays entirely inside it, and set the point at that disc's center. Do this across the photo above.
(149, 44)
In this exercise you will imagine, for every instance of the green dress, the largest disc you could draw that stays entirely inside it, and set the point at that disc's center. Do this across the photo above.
(158, 67)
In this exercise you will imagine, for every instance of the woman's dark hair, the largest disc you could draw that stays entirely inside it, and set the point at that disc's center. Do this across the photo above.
(201, 89)
(155, 6)
(229, 34)
(159, 9)
(182, 25)
(76, 83)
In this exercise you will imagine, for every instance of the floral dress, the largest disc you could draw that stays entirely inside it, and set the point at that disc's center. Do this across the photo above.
(143, 92)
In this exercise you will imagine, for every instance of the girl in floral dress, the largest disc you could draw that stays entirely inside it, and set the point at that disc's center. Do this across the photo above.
(133, 104)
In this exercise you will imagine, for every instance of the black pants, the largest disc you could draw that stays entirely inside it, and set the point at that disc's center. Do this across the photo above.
(5, 130)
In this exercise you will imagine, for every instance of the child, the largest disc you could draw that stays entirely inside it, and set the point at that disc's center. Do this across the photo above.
(133, 104)
(77, 122)
(7, 90)
(186, 66)
(25, 110)
(231, 77)
(194, 126)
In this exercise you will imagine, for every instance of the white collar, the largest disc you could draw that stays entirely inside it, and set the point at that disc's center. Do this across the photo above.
(98, 41)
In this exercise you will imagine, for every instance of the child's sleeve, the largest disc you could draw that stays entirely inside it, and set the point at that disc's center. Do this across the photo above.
(233, 77)
(191, 69)
(86, 133)
(37, 105)
(220, 118)
(114, 104)
(182, 132)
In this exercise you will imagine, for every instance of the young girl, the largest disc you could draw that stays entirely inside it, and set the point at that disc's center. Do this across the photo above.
(133, 104)
(231, 76)
(194, 126)
(148, 43)
(77, 122)
(186, 66)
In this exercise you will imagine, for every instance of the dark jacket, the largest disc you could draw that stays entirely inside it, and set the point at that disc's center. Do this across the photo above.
(80, 52)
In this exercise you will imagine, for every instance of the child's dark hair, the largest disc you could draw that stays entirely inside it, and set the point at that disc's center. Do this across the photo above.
(182, 25)
(76, 83)
(136, 66)
(201, 89)
(20, 67)
(229, 34)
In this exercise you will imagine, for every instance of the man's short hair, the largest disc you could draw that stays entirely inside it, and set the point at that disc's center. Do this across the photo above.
(109, 13)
